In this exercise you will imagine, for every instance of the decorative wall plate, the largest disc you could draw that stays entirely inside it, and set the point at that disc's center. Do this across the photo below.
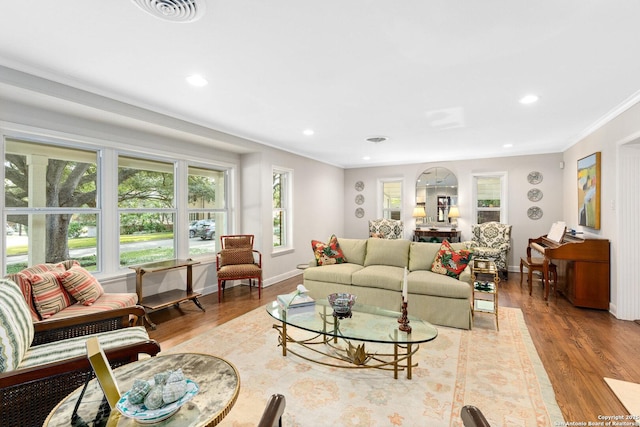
(359, 213)
(359, 199)
(534, 195)
(534, 177)
(359, 186)
(534, 212)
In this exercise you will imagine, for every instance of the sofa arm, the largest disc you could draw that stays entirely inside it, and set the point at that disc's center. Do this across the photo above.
(465, 276)
(108, 320)
(37, 390)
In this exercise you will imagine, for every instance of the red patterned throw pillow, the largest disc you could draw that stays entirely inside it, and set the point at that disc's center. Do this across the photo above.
(81, 285)
(48, 296)
(449, 261)
(328, 253)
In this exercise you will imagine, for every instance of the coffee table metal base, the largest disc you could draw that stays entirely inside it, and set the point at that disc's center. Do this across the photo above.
(350, 356)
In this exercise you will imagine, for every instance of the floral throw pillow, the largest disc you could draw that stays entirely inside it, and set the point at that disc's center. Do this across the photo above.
(328, 253)
(449, 261)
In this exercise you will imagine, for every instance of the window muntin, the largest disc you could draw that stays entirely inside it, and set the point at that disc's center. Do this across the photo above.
(208, 216)
(49, 216)
(146, 194)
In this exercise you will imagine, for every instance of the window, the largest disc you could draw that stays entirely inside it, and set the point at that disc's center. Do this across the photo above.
(392, 200)
(147, 211)
(282, 190)
(207, 209)
(490, 196)
(60, 204)
(49, 217)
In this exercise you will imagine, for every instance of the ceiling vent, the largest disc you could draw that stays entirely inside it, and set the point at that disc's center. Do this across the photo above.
(173, 10)
(377, 139)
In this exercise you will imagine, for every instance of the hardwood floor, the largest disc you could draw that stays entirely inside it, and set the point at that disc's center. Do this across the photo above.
(578, 347)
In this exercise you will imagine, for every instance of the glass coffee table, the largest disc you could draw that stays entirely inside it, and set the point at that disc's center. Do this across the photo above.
(332, 337)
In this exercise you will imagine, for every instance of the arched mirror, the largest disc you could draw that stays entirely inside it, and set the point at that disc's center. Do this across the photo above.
(436, 192)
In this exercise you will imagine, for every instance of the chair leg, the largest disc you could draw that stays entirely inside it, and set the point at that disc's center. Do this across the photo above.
(260, 287)
(521, 265)
(219, 291)
(530, 279)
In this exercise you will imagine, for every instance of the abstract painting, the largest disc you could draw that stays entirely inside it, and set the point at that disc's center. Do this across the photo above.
(589, 191)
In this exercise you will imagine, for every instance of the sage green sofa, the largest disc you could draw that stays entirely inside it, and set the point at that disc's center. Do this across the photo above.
(374, 271)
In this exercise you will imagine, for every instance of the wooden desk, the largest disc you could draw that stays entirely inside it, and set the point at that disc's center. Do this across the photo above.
(426, 235)
(172, 297)
(218, 380)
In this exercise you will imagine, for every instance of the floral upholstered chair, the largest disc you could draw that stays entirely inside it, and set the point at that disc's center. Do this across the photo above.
(491, 240)
(386, 228)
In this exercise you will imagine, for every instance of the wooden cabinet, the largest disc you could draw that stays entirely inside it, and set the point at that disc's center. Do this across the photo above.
(436, 235)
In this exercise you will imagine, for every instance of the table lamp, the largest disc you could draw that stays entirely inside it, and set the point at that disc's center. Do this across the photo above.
(418, 212)
(454, 214)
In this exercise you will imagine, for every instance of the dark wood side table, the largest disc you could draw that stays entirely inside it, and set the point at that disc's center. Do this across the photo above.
(165, 299)
(218, 380)
(425, 235)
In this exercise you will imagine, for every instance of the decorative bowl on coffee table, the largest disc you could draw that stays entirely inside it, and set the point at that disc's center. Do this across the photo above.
(341, 304)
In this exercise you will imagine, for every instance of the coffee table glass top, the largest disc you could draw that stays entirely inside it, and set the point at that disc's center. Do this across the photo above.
(367, 323)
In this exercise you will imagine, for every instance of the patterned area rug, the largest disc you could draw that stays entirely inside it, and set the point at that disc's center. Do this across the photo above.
(499, 372)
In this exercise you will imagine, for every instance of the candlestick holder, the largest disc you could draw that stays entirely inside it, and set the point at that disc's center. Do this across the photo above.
(404, 320)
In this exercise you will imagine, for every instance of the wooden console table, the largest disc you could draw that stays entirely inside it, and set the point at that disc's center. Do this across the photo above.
(440, 234)
(165, 299)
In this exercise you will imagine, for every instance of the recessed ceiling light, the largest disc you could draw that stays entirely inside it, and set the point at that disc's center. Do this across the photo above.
(197, 80)
(529, 99)
(366, 158)
(507, 145)
(308, 132)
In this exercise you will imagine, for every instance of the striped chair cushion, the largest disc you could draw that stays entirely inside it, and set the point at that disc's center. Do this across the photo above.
(107, 301)
(16, 326)
(48, 294)
(24, 284)
(74, 347)
(81, 285)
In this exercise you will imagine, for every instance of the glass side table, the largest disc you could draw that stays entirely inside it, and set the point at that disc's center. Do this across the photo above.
(485, 277)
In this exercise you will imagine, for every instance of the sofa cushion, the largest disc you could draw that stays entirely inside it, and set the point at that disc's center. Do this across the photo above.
(387, 252)
(354, 249)
(48, 294)
(81, 285)
(429, 283)
(328, 253)
(422, 254)
(379, 276)
(107, 301)
(449, 261)
(334, 273)
(16, 326)
(74, 347)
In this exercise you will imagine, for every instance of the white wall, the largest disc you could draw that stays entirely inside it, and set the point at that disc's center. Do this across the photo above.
(517, 169)
(619, 203)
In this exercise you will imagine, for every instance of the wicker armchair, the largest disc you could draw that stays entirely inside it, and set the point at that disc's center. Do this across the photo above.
(36, 374)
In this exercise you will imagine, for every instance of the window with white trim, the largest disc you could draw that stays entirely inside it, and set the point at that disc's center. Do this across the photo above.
(490, 197)
(207, 209)
(281, 196)
(392, 200)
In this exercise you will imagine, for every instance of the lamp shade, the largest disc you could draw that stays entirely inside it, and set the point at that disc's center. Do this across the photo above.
(418, 212)
(454, 212)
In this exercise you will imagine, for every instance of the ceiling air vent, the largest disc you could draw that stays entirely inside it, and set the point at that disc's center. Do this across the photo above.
(173, 10)
(377, 139)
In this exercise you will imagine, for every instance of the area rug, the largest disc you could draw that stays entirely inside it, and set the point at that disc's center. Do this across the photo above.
(499, 372)
(628, 394)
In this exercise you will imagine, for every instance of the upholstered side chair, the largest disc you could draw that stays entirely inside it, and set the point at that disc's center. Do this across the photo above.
(237, 260)
(386, 228)
(492, 240)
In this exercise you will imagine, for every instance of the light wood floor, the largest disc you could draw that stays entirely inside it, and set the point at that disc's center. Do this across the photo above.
(577, 346)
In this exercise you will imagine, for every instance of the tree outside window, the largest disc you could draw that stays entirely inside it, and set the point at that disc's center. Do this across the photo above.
(281, 191)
